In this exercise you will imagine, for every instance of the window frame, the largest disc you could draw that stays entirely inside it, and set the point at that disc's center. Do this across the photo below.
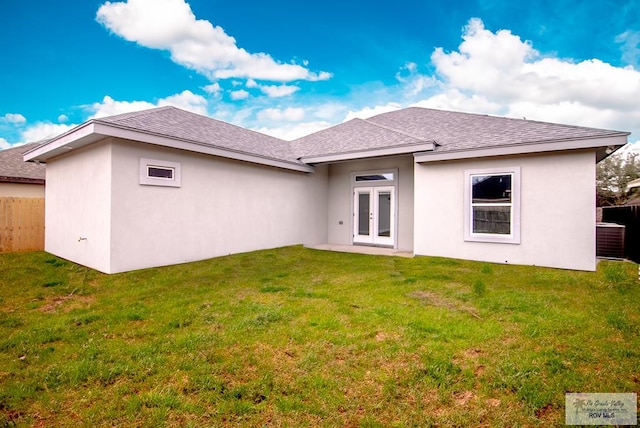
(514, 236)
(149, 180)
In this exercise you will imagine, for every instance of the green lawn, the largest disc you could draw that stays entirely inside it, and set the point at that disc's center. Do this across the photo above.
(297, 337)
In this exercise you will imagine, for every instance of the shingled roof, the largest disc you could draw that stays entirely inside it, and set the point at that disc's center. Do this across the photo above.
(355, 137)
(13, 169)
(428, 133)
(450, 131)
(456, 131)
(179, 129)
(180, 124)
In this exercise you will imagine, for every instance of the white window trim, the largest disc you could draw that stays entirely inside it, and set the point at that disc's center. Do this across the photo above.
(147, 180)
(369, 183)
(514, 237)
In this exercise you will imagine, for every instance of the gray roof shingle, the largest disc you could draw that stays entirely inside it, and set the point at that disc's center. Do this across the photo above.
(353, 136)
(401, 130)
(459, 131)
(14, 169)
(184, 125)
(449, 130)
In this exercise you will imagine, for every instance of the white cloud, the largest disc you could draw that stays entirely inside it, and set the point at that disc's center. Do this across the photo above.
(330, 111)
(14, 118)
(630, 48)
(44, 130)
(368, 112)
(213, 89)
(273, 91)
(185, 100)
(455, 100)
(110, 107)
(63, 118)
(292, 131)
(631, 148)
(290, 114)
(240, 94)
(194, 43)
(501, 74)
(277, 91)
(4, 144)
(414, 82)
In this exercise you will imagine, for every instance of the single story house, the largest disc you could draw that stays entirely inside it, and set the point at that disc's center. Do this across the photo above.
(166, 186)
(18, 178)
(633, 184)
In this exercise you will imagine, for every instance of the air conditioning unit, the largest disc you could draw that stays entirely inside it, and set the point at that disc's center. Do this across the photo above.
(610, 240)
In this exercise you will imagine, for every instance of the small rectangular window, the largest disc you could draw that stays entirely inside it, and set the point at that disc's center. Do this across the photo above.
(160, 172)
(492, 205)
(388, 176)
(155, 172)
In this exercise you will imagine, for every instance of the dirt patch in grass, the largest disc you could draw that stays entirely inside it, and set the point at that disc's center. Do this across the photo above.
(444, 302)
(69, 301)
(469, 359)
(462, 398)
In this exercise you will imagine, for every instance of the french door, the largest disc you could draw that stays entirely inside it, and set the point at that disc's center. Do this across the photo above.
(374, 215)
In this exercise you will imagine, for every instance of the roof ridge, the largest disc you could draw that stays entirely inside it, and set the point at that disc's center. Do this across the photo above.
(397, 131)
(117, 119)
(497, 116)
(128, 115)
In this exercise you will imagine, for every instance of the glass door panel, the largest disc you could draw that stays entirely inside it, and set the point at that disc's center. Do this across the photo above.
(364, 211)
(384, 214)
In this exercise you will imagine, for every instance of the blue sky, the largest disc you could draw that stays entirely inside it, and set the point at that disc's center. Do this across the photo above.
(290, 68)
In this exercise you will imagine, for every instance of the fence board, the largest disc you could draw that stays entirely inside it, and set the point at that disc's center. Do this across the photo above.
(630, 217)
(21, 224)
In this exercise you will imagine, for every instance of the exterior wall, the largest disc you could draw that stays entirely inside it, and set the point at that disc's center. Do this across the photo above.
(22, 190)
(222, 207)
(340, 206)
(78, 195)
(557, 214)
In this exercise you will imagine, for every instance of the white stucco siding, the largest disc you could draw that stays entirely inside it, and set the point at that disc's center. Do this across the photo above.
(557, 212)
(77, 209)
(22, 190)
(222, 207)
(340, 203)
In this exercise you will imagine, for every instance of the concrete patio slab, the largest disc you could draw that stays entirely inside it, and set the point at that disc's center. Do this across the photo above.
(363, 249)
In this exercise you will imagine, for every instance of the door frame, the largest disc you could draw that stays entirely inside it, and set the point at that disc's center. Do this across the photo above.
(390, 180)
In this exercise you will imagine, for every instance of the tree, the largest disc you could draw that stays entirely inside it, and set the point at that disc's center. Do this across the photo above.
(612, 176)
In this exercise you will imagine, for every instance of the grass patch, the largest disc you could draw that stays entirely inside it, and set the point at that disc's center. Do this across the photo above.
(296, 337)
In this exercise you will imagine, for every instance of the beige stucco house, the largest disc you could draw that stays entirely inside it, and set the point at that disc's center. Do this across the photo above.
(166, 186)
(18, 178)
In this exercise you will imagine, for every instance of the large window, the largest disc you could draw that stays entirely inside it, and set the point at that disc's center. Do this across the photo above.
(492, 205)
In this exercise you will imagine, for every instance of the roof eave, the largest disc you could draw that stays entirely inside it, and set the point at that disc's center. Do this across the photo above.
(21, 180)
(370, 153)
(607, 143)
(79, 136)
(94, 131)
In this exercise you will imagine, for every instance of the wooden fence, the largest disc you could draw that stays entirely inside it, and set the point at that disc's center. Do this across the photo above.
(21, 224)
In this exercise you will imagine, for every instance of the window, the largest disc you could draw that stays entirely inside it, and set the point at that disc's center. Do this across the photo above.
(154, 172)
(387, 176)
(160, 172)
(492, 205)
